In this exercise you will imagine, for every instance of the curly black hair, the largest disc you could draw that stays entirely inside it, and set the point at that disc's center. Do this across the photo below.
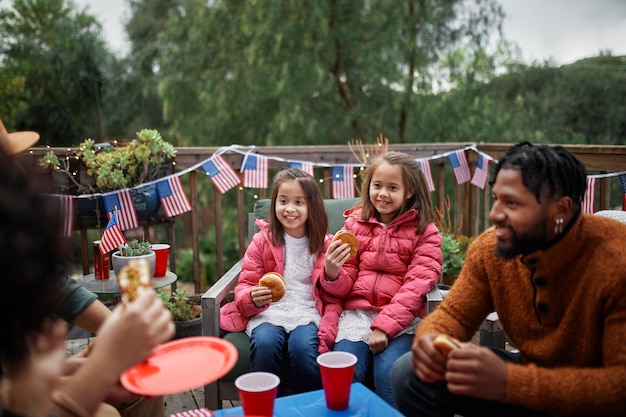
(547, 171)
(31, 253)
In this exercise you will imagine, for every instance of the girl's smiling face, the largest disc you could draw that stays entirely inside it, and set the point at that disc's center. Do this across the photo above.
(292, 209)
(387, 191)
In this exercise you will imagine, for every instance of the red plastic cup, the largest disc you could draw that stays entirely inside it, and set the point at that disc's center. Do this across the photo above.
(337, 369)
(257, 392)
(161, 252)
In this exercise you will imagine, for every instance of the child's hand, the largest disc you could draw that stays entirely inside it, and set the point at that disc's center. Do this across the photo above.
(336, 255)
(261, 296)
(378, 341)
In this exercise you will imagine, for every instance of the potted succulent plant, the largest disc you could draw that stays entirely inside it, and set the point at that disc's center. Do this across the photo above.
(133, 249)
(186, 313)
(102, 167)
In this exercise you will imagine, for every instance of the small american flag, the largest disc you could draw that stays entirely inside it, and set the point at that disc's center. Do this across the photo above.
(221, 173)
(481, 172)
(343, 183)
(112, 236)
(67, 213)
(172, 196)
(589, 195)
(460, 166)
(122, 202)
(303, 165)
(424, 165)
(622, 179)
(255, 169)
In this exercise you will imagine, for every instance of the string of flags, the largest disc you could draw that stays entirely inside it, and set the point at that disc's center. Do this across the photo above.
(254, 173)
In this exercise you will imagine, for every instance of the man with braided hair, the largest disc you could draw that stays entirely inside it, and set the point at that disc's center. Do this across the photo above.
(557, 279)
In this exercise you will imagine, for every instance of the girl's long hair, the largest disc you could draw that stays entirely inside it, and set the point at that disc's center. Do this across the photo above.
(414, 181)
(317, 220)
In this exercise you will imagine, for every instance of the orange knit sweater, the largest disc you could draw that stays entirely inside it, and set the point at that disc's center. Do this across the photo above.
(564, 308)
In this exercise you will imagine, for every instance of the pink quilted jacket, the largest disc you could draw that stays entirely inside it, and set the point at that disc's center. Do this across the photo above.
(394, 270)
(261, 257)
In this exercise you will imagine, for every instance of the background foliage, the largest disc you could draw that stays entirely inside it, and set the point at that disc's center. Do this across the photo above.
(292, 72)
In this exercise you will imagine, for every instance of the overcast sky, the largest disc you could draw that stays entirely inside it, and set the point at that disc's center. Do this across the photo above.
(562, 30)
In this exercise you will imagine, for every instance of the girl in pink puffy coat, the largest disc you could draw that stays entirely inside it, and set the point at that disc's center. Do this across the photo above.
(398, 262)
(292, 244)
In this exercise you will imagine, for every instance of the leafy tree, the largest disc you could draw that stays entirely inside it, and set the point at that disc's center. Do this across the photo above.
(288, 72)
(60, 55)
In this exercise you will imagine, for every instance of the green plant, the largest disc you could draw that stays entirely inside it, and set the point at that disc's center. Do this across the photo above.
(453, 256)
(115, 167)
(179, 305)
(135, 248)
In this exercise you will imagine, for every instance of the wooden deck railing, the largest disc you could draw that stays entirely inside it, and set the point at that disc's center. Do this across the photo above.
(470, 204)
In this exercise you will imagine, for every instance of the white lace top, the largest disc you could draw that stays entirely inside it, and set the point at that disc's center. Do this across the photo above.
(297, 307)
(354, 325)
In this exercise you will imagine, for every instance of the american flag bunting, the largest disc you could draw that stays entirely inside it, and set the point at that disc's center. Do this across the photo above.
(172, 195)
(482, 171)
(343, 183)
(589, 195)
(622, 179)
(255, 169)
(122, 201)
(303, 165)
(67, 214)
(112, 236)
(424, 165)
(460, 166)
(221, 173)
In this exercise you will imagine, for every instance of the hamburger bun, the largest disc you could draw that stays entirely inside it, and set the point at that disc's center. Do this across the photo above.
(134, 278)
(446, 344)
(346, 236)
(276, 283)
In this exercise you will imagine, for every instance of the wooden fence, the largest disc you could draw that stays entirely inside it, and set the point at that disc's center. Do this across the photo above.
(469, 204)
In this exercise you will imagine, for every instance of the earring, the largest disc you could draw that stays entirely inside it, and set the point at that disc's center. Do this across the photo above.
(558, 228)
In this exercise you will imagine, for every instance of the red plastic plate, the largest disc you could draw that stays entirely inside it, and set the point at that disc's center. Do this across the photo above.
(181, 365)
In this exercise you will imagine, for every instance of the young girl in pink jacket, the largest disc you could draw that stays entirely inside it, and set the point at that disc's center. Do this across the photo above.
(398, 262)
(292, 244)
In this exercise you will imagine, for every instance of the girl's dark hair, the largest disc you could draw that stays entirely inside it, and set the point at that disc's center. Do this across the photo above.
(31, 253)
(547, 171)
(414, 181)
(317, 220)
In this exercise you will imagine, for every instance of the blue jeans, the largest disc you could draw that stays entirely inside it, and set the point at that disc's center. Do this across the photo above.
(267, 344)
(381, 362)
(417, 398)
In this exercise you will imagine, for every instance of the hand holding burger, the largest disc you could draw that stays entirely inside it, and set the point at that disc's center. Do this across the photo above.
(276, 283)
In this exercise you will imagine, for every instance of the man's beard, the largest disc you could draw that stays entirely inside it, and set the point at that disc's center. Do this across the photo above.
(525, 243)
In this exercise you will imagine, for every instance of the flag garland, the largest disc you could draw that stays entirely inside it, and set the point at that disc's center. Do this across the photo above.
(255, 170)
(227, 178)
(112, 236)
(122, 203)
(172, 196)
(221, 173)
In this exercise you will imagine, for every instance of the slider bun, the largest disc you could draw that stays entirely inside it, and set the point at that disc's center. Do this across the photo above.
(446, 344)
(276, 283)
(346, 236)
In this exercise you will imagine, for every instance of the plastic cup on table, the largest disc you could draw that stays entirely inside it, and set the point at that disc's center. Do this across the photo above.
(161, 252)
(337, 369)
(257, 392)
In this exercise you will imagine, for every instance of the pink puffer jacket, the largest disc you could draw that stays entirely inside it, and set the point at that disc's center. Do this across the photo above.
(261, 257)
(394, 270)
